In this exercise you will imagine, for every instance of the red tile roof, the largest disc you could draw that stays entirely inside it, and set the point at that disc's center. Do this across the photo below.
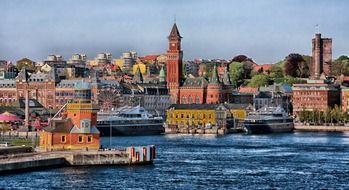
(248, 90)
(265, 67)
(150, 57)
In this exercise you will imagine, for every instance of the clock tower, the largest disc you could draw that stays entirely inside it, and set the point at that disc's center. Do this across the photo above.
(174, 64)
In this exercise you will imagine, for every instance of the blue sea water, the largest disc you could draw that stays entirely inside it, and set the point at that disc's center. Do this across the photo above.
(237, 161)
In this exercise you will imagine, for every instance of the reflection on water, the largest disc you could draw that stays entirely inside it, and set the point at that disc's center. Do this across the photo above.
(277, 161)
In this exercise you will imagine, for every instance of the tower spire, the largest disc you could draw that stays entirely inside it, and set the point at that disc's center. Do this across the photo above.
(215, 77)
(138, 78)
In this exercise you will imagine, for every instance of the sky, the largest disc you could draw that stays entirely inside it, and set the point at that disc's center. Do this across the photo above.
(264, 30)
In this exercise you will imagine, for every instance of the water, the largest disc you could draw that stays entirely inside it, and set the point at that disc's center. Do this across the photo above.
(278, 161)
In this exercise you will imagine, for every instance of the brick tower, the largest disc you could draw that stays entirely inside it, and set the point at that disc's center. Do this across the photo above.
(321, 56)
(214, 89)
(174, 64)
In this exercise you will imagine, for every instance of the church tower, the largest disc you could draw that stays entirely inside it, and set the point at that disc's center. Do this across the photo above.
(174, 63)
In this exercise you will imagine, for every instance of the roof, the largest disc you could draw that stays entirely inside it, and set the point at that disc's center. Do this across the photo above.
(215, 78)
(263, 67)
(208, 106)
(248, 90)
(195, 82)
(264, 94)
(7, 83)
(82, 85)
(175, 32)
(60, 126)
(23, 74)
(33, 103)
(67, 83)
(284, 88)
(150, 57)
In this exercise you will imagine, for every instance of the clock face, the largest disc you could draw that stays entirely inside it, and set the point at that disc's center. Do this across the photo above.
(172, 45)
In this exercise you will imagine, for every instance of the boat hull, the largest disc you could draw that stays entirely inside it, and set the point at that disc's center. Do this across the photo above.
(131, 130)
(265, 128)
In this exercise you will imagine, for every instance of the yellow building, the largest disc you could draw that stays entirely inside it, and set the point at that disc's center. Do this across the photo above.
(206, 115)
(142, 67)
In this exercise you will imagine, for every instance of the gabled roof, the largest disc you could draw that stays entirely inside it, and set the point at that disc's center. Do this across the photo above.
(23, 75)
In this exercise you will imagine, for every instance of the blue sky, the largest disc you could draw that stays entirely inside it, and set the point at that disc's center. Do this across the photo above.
(265, 30)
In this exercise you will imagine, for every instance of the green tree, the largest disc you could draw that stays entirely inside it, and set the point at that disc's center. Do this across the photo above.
(296, 66)
(236, 72)
(276, 71)
(289, 80)
(340, 66)
(248, 67)
(258, 81)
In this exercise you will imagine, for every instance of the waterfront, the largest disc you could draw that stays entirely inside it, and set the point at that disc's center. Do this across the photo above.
(284, 161)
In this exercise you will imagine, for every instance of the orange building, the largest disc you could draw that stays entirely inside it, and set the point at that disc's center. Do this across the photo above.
(78, 130)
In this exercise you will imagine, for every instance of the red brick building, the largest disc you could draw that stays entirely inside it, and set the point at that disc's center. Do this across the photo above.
(193, 90)
(315, 96)
(41, 87)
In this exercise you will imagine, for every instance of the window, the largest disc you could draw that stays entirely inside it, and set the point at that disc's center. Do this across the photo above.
(63, 139)
(89, 138)
(80, 139)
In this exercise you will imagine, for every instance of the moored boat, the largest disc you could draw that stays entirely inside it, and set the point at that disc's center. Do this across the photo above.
(129, 120)
(268, 120)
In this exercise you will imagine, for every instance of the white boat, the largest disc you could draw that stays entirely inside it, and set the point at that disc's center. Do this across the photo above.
(268, 120)
(128, 120)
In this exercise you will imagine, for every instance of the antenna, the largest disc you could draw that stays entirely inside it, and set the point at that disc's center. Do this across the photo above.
(317, 28)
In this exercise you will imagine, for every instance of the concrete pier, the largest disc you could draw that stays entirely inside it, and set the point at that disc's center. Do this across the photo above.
(39, 160)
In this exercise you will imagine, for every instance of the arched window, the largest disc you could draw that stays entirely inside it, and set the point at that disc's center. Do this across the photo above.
(184, 100)
(190, 100)
(197, 100)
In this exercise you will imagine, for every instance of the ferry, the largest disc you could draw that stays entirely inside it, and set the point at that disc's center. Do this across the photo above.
(268, 120)
(128, 120)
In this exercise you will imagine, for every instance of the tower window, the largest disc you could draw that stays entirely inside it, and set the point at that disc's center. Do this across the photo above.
(80, 139)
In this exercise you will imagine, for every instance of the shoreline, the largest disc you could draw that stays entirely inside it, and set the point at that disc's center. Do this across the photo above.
(320, 128)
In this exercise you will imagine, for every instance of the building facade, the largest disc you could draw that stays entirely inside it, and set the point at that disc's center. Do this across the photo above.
(315, 97)
(206, 116)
